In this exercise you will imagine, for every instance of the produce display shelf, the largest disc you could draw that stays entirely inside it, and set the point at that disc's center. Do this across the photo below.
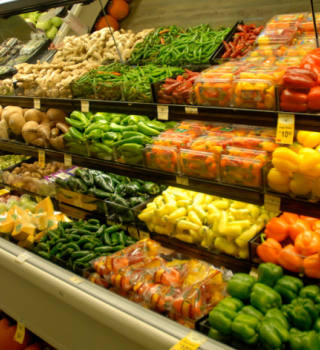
(81, 315)
(303, 121)
(11, 8)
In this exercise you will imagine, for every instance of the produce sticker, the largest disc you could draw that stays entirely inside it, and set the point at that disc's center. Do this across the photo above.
(191, 342)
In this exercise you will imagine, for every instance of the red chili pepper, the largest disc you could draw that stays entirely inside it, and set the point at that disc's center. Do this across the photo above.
(247, 36)
(226, 54)
(252, 26)
(169, 89)
(298, 81)
(241, 28)
(315, 56)
(162, 41)
(180, 78)
(257, 31)
(232, 47)
(293, 107)
(162, 95)
(226, 45)
(303, 71)
(236, 40)
(237, 52)
(243, 53)
(294, 96)
(170, 81)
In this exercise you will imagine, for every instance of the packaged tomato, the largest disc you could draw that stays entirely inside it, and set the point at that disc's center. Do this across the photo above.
(291, 20)
(274, 74)
(213, 91)
(162, 158)
(197, 164)
(254, 94)
(256, 143)
(215, 144)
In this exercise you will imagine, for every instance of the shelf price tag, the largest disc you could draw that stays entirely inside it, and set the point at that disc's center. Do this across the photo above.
(37, 103)
(182, 181)
(4, 191)
(144, 235)
(22, 258)
(133, 233)
(42, 158)
(285, 128)
(68, 160)
(20, 332)
(191, 342)
(191, 110)
(76, 279)
(85, 105)
(272, 203)
(163, 112)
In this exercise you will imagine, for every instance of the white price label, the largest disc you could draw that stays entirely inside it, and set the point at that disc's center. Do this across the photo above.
(37, 103)
(182, 181)
(22, 257)
(191, 342)
(68, 160)
(272, 203)
(85, 105)
(191, 110)
(144, 235)
(163, 112)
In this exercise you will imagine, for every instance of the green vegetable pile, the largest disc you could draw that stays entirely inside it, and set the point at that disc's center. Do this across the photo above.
(120, 192)
(178, 46)
(122, 82)
(11, 159)
(128, 134)
(273, 312)
(77, 243)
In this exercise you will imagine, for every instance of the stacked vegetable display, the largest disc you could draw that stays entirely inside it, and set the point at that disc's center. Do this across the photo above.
(272, 312)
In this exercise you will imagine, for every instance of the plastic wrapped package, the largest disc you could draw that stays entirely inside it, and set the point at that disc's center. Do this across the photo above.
(197, 124)
(288, 61)
(291, 20)
(181, 132)
(213, 91)
(254, 94)
(268, 50)
(197, 164)
(162, 158)
(256, 143)
(305, 39)
(260, 61)
(178, 142)
(97, 279)
(230, 130)
(299, 50)
(227, 70)
(264, 132)
(274, 74)
(307, 24)
(216, 145)
(271, 36)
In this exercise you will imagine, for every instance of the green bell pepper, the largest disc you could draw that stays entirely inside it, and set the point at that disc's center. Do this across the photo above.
(77, 185)
(310, 292)
(245, 328)
(240, 286)
(150, 188)
(232, 303)
(304, 340)
(87, 177)
(221, 317)
(264, 298)
(214, 334)
(301, 313)
(250, 310)
(98, 125)
(288, 287)
(316, 326)
(269, 273)
(104, 182)
(132, 188)
(273, 331)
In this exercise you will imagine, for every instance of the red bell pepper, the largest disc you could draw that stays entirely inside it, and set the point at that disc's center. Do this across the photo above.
(293, 107)
(302, 71)
(314, 99)
(295, 96)
(298, 81)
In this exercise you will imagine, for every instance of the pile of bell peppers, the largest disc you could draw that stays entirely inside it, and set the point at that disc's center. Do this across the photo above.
(179, 90)
(120, 192)
(272, 311)
(302, 91)
(293, 242)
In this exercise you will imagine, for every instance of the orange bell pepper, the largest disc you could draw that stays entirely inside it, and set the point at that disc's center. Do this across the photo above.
(311, 266)
(290, 218)
(296, 228)
(290, 258)
(269, 250)
(277, 229)
(316, 227)
(308, 243)
(309, 220)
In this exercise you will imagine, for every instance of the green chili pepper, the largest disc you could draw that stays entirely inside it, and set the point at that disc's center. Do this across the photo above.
(142, 127)
(101, 230)
(87, 178)
(99, 193)
(116, 128)
(75, 123)
(44, 255)
(77, 185)
(66, 253)
(106, 238)
(111, 135)
(76, 134)
(98, 125)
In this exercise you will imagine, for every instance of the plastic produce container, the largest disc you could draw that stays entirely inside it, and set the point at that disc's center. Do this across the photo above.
(273, 36)
(288, 61)
(292, 20)
(253, 94)
(216, 145)
(256, 143)
(179, 142)
(213, 91)
(307, 24)
(299, 50)
(197, 125)
(268, 50)
(162, 158)
(181, 132)
(230, 130)
(260, 61)
(197, 164)
(265, 73)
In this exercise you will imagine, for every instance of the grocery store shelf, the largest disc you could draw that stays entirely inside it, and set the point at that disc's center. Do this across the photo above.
(76, 314)
(303, 121)
(15, 7)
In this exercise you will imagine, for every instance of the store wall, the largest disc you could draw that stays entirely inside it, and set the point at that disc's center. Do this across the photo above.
(154, 13)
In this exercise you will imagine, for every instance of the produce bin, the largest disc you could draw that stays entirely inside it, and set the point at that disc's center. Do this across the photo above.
(85, 273)
(198, 164)
(274, 74)
(80, 148)
(277, 50)
(258, 143)
(292, 20)
(162, 158)
(136, 160)
(134, 92)
(178, 142)
(100, 151)
(307, 24)
(271, 36)
(288, 61)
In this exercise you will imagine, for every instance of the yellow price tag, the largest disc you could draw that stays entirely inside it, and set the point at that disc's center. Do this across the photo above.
(133, 233)
(285, 129)
(182, 180)
(42, 159)
(68, 160)
(20, 333)
(144, 235)
(191, 342)
(85, 106)
(191, 110)
(272, 203)
(37, 103)
(4, 191)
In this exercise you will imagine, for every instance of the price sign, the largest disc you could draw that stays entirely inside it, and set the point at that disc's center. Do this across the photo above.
(20, 333)
(191, 110)
(285, 129)
(191, 342)
(4, 191)
(182, 181)
(37, 103)
(68, 160)
(144, 235)
(272, 203)
(85, 105)
(163, 112)
(42, 159)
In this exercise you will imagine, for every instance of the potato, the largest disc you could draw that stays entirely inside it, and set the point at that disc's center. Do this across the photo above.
(33, 115)
(8, 111)
(16, 123)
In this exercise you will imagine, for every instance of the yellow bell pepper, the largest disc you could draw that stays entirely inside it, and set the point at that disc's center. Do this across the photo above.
(301, 185)
(192, 216)
(308, 138)
(279, 180)
(306, 152)
(296, 147)
(310, 165)
(284, 159)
